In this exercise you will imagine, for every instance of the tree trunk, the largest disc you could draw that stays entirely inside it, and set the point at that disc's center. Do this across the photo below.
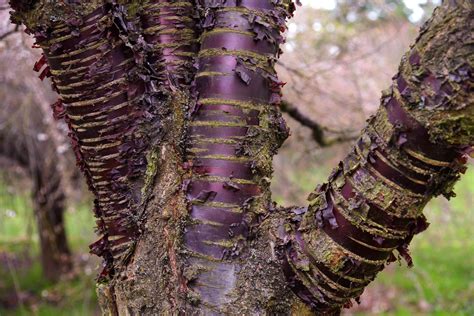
(49, 207)
(172, 107)
(47, 196)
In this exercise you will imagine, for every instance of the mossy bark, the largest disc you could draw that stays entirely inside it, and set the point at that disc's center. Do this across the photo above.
(185, 211)
(413, 149)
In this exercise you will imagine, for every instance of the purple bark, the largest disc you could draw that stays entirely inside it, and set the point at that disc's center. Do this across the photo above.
(235, 82)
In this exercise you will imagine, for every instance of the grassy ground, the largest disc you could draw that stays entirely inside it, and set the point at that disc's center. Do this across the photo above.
(441, 283)
(23, 290)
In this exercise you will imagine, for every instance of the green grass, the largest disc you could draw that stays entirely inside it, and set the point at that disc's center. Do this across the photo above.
(80, 224)
(17, 222)
(72, 297)
(443, 274)
(20, 268)
(17, 225)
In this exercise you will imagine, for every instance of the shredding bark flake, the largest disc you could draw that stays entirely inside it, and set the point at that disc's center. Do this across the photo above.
(116, 98)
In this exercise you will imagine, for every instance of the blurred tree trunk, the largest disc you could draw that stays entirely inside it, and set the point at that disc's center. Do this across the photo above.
(172, 109)
(40, 161)
(49, 207)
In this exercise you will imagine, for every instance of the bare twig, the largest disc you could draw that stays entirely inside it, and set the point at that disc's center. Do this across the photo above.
(336, 63)
(6, 34)
(318, 131)
(4, 5)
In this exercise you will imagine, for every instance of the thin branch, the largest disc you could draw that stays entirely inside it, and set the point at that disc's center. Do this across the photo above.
(318, 131)
(6, 34)
(337, 63)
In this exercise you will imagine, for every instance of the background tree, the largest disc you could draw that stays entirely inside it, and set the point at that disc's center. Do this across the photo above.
(33, 142)
(205, 196)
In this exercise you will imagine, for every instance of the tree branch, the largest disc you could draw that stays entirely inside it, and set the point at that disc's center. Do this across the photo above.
(413, 149)
(8, 33)
(318, 131)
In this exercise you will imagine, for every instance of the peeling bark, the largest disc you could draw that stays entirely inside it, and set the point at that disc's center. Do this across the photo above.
(414, 148)
(173, 111)
(235, 130)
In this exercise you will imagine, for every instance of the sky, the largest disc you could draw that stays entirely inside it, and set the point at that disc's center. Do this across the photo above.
(413, 5)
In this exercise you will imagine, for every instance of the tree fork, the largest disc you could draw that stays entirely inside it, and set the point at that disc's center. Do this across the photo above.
(181, 172)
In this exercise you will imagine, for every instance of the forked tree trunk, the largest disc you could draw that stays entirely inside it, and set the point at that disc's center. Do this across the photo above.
(173, 112)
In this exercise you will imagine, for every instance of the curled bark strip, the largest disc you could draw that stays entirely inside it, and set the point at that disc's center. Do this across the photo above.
(106, 65)
(372, 204)
(169, 28)
(110, 106)
(106, 117)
